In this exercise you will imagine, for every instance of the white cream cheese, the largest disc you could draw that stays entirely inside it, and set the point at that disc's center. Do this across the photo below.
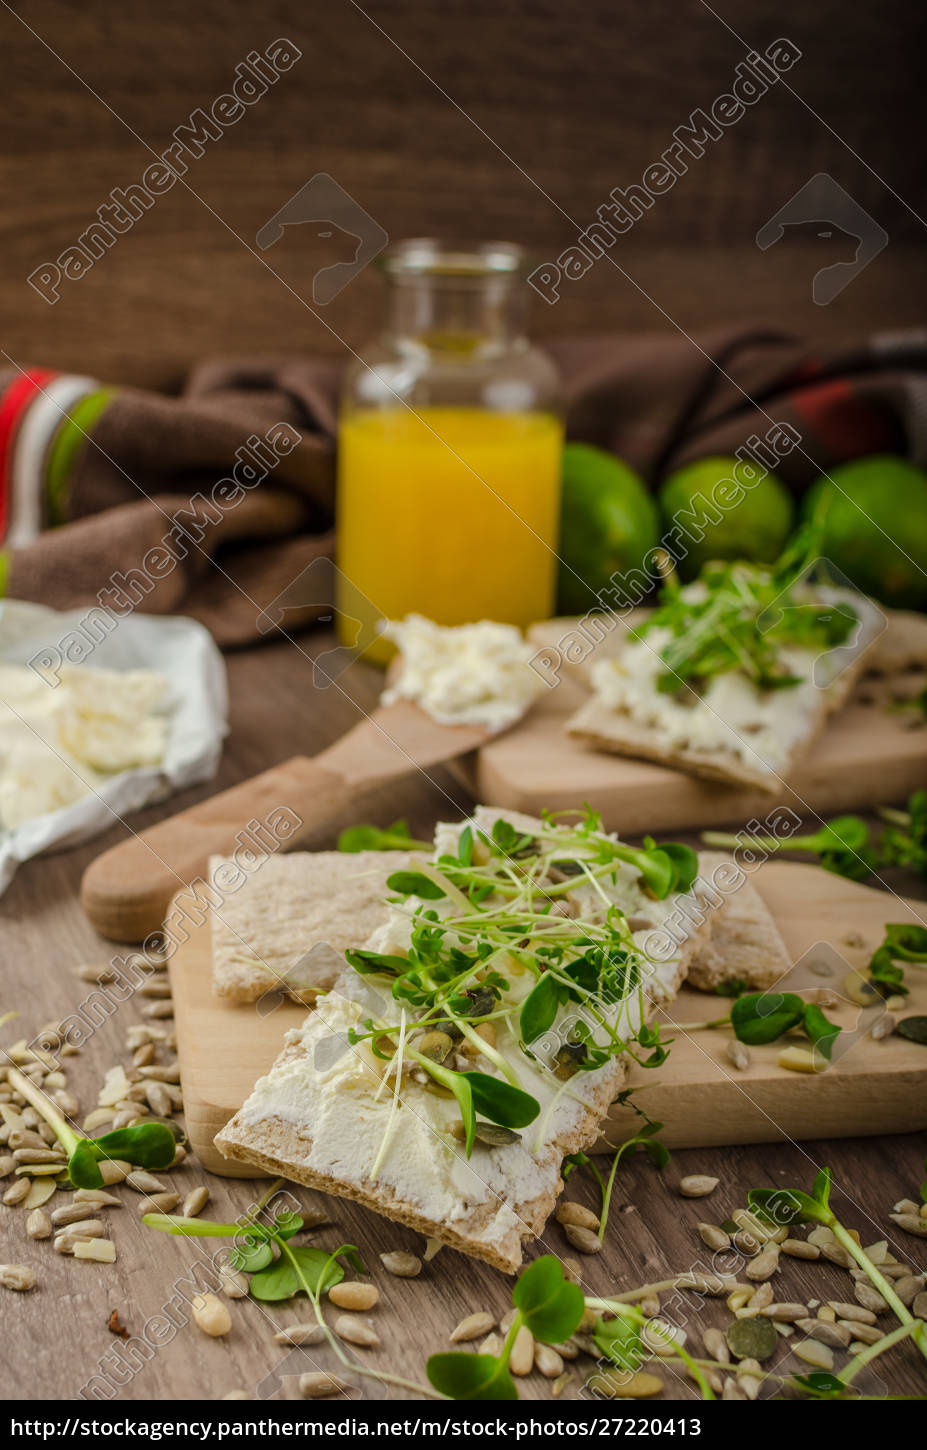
(468, 674)
(59, 743)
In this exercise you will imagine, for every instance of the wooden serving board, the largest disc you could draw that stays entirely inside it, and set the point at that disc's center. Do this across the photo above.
(874, 1087)
(866, 756)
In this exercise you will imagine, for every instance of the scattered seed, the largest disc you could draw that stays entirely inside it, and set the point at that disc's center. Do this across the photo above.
(716, 1346)
(761, 1298)
(97, 1196)
(401, 1265)
(785, 1313)
(158, 1099)
(17, 1276)
(158, 1009)
(837, 1336)
(919, 1306)
(233, 1283)
(39, 1155)
(40, 1191)
(491, 1344)
(812, 1351)
(473, 1327)
(85, 1228)
(837, 1254)
(583, 1239)
(301, 1334)
(7, 1164)
(195, 1201)
(650, 1305)
(800, 1249)
(114, 1170)
(883, 1028)
(870, 1298)
(38, 1224)
(521, 1361)
(732, 1391)
(568, 1350)
(910, 1222)
(738, 1054)
(211, 1315)
(144, 1182)
(764, 1265)
(617, 1385)
(90, 972)
(855, 1312)
(799, 1059)
(713, 1236)
(159, 1203)
(560, 1383)
(17, 1193)
(355, 1331)
(547, 1361)
(100, 1251)
(70, 1213)
(906, 1205)
(913, 1028)
(909, 1287)
(575, 1214)
(354, 1295)
(697, 1185)
(751, 1339)
(236, 1395)
(318, 1386)
(745, 1243)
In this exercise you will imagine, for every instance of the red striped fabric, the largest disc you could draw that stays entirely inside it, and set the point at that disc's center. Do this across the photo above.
(13, 405)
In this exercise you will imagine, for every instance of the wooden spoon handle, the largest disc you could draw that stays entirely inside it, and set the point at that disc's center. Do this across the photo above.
(127, 890)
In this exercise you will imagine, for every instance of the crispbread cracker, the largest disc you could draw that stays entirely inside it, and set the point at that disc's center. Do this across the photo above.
(495, 1228)
(617, 732)
(291, 904)
(744, 942)
(901, 646)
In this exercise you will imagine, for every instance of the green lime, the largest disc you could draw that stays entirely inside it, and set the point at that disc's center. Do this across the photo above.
(873, 517)
(608, 525)
(738, 515)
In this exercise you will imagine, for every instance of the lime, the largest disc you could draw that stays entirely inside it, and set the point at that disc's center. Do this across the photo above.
(742, 517)
(608, 525)
(873, 518)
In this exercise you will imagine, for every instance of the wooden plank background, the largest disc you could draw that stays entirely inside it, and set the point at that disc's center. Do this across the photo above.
(577, 99)
(55, 1337)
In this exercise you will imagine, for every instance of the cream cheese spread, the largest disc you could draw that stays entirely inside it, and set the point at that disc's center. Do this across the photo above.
(468, 674)
(59, 743)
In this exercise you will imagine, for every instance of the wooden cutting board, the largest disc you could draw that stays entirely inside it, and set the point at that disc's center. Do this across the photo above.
(875, 1087)
(867, 756)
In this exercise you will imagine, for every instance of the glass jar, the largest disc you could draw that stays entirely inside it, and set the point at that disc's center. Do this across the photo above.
(449, 451)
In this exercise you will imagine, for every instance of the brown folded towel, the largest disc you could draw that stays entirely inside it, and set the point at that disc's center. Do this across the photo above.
(211, 503)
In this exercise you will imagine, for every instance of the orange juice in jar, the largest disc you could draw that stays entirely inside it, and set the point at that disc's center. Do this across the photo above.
(449, 453)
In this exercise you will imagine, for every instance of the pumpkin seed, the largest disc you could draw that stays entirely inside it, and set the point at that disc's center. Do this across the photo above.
(751, 1339)
(41, 1191)
(913, 1028)
(860, 990)
(697, 1185)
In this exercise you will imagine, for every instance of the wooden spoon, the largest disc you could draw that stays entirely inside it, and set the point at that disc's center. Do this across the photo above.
(126, 891)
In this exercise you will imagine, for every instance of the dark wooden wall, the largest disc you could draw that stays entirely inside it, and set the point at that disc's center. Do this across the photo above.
(577, 98)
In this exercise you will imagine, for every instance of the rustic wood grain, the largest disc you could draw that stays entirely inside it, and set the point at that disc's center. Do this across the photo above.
(481, 119)
(59, 1331)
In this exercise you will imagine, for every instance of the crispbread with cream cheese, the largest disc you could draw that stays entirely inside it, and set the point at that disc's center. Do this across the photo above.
(316, 1116)
(290, 905)
(744, 943)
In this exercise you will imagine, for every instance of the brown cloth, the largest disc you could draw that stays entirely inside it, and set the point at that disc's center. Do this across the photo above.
(656, 400)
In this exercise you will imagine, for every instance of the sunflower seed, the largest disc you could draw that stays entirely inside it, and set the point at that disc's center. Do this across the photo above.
(401, 1265)
(716, 1346)
(761, 1298)
(100, 1251)
(764, 1265)
(909, 1287)
(911, 1223)
(318, 1386)
(473, 1327)
(301, 1334)
(354, 1295)
(17, 1276)
(837, 1254)
(697, 1185)
(233, 1283)
(575, 1214)
(800, 1249)
(883, 1028)
(837, 1336)
(560, 1383)
(98, 1197)
(211, 1315)
(870, 1298)
(616, 1384)
(812, 1351)
(114, 1170)
(39, 1155)
(738, 1054)
(7, 1164)
(547, 1361)
(786, 1313)
(521, 1360)
(583, 1239)
(17, 1193)
(159, 1203)
(158, 1099)
(919, 1306)
(38, 1224)
(854, 1312)
(195, 1201)
(144, 1182)
(355, 1331)
(713, 1236)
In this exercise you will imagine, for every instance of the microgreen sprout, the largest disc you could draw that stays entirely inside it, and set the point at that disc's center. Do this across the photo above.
(146, 1145)
(372, 838)
(645, 1138)
(545, 1303)
(841, 845)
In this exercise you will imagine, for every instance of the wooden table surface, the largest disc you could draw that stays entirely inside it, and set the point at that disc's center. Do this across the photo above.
(56, 1337)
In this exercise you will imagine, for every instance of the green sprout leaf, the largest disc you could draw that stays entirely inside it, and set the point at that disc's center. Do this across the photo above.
(471, 1377)
(823, 1033)
(281, 1280)
(781, 1206)
(147, 1145)
(540, 1007)
(551, 1307)
(414, 883)
(499, 1101)
(371, 838)
(764, 1016)
(620, 1341)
